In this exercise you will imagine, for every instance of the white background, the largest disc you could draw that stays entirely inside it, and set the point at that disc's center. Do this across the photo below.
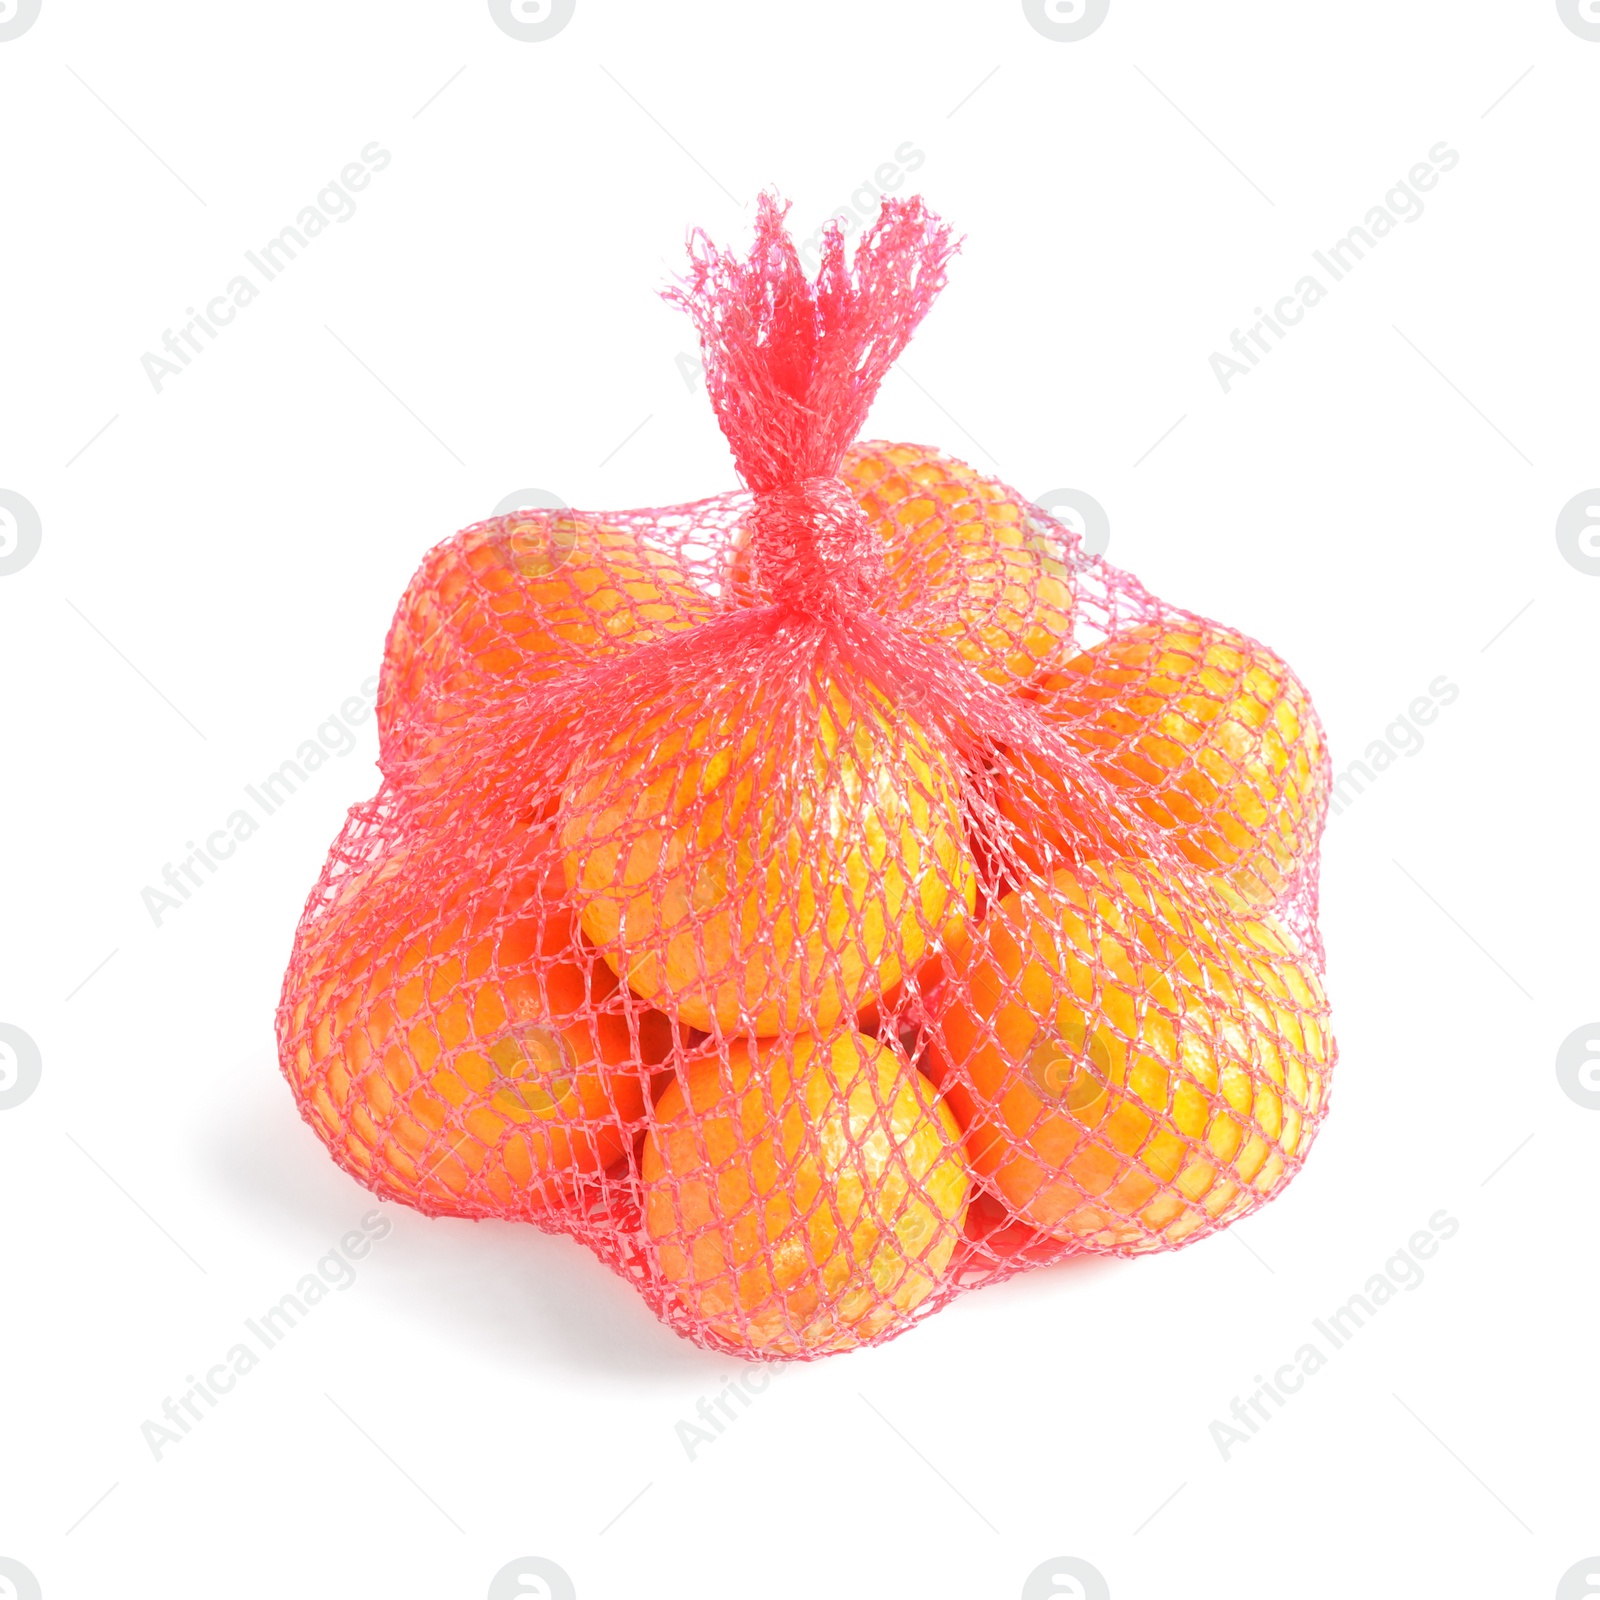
(1377, 500)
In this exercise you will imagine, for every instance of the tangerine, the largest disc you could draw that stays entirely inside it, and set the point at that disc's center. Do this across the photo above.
(1207, 733)
(967, 561)
(516, 601)
(464, 1054)
(802, 1198)
(757, 871)
(1129, 1071)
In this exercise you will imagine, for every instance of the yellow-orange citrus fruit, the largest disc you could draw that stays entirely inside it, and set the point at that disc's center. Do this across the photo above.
(801, 1198)
(967, 560)
(518, 600)
(766, 875)
(1128, 1071)
(1208, 734)
(958, 539)
(465, 1055)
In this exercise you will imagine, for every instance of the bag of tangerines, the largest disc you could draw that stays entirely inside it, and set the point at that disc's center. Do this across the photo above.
(822, 898)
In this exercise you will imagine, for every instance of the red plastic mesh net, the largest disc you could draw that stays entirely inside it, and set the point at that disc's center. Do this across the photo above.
(824, 898)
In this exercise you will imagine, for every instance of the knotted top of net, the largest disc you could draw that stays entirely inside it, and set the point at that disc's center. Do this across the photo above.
(792, 367)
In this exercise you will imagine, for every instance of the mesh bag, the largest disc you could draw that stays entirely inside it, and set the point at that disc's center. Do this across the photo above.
(823, 898)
